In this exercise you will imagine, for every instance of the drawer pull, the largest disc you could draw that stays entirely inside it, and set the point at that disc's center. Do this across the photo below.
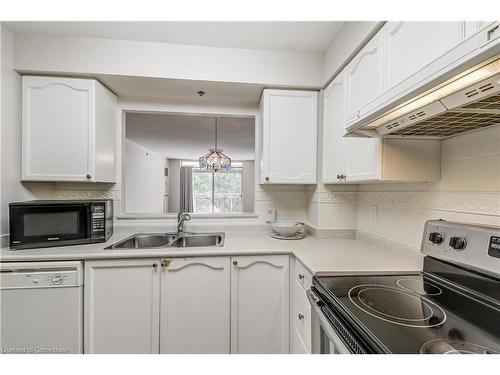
(301, 317)
(301, 277)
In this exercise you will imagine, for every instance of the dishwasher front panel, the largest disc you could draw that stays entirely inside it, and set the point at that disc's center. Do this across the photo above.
(41, 307)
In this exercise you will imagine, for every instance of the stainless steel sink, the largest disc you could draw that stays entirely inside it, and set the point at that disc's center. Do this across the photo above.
(199, 239)
(162, 240)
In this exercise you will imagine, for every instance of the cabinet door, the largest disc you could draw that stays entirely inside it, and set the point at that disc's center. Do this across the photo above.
(58, 129)
(300, 308)
(289, 137)
(363, 159)
(333, 149)
(121, 306)
(410, 46)
(364, 79)
(260, 304)
(300, 320)
(195, 306)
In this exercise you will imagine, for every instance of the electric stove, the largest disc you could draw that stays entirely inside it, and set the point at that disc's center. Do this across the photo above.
(452, 306)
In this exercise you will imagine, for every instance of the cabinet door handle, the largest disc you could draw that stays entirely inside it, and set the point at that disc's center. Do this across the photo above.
(155, 265)
(88, 177)
(166, 262)
(235, 263)
(301, 276)
(491, 32)
(301, 317)
(267, 178)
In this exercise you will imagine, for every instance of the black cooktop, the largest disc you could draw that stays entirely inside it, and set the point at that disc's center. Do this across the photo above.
(417, 313)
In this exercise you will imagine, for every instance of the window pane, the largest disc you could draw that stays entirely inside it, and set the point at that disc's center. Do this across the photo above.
(202, 192)
(227, 191)
(227, 183)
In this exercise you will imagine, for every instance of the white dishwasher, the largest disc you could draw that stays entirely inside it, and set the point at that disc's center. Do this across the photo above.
(41, 307)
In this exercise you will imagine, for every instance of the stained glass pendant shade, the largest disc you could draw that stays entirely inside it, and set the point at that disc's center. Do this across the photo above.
(215, 160)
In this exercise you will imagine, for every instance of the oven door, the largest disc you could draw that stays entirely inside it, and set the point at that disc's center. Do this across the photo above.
(324, 338)
(45, 225)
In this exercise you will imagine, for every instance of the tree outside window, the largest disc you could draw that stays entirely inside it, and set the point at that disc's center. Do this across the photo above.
(217, 192)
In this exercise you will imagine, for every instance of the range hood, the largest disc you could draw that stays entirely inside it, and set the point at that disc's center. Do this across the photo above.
(468, 103)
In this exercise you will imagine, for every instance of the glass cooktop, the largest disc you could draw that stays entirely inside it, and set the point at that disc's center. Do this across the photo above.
(412, 313)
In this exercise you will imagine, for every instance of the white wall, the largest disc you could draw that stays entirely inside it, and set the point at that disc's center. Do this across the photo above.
(10, 135)
(469, 191)
(72, 55)
(248, 185)
(144, 179)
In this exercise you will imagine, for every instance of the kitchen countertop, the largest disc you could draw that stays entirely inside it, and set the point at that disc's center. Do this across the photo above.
(319, 256)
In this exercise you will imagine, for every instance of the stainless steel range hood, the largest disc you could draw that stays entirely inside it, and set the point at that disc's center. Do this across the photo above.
(464, 104)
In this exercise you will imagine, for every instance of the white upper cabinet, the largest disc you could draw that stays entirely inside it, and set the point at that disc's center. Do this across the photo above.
(288, 137)
(69, 130)
(359, 160)
(362, 160)
(260, 307)
(403, 57)
(333, 146)
(410, 46)
(364, 80)
(195, 306)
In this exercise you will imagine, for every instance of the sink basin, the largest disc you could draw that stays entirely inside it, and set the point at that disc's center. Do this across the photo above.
(161, 240)
(144, 241)
(199, 239)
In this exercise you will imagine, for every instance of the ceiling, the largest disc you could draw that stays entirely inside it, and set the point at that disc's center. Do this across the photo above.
(282, 36)
(172, 89)
(188, 137)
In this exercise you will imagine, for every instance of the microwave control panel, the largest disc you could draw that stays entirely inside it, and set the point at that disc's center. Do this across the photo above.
(98, 222)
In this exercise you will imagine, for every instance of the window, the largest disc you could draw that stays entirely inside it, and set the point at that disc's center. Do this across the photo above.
(217, 192)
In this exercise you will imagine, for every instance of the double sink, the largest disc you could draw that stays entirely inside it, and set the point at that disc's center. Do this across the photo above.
(162, 240)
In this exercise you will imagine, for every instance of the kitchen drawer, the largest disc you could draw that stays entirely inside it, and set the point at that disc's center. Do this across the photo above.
(302, 275)
(300, 319)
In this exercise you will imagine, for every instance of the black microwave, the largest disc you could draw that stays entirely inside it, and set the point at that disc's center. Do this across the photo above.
(47, 223)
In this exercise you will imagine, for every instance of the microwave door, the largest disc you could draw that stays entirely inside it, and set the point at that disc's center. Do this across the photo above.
(45, 226)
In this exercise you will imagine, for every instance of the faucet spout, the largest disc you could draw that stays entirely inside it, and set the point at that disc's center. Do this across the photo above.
(181, 218)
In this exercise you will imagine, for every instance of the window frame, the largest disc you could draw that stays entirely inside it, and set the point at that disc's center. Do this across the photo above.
(126, 107)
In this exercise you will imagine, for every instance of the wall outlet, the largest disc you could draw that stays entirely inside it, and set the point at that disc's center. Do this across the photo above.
(270, 214)
(374, 214)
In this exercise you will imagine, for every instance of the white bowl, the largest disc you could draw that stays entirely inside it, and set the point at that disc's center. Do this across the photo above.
(286, 228)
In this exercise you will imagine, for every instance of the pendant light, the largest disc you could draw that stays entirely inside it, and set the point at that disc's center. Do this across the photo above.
(215, 160)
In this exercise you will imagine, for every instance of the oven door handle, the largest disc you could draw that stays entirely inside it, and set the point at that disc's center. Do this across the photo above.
(323, 320)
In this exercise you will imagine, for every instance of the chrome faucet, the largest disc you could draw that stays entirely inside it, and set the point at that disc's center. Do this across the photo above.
(181, 218)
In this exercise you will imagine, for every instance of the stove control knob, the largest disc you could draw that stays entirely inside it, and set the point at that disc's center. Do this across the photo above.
(57, 279)
(458, 243)
(436, 238)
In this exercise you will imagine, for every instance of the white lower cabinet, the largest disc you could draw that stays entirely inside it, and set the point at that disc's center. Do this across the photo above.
(195, 306)
(260, 304)
(187, 305)
(300, 318)
(121, 308)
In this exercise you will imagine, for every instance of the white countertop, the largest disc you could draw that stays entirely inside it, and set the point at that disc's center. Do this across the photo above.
(320, 256)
